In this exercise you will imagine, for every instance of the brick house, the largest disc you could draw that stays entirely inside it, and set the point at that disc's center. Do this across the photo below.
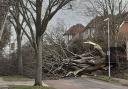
(74, 33)
(93, 27)
(97, 29)
(123, 35)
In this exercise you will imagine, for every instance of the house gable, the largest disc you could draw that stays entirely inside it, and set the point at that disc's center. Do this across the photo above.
(74, 32)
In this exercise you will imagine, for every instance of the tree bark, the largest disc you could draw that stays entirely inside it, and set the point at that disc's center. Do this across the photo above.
(19, 55)
(38, 54)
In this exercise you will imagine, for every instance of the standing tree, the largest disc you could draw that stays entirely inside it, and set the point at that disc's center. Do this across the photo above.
(5, 39)
(37, 14)
(106, 7)
(14, 11)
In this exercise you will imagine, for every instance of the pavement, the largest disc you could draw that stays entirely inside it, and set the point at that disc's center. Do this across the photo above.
(79, 83)
(27, 82)
(3, 85)
(83, 83)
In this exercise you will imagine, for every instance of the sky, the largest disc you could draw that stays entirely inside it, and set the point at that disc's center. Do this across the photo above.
(69, 17)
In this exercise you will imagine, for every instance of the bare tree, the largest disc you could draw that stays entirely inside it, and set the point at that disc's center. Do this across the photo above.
(113, 9)
(106, 7)
(16, 22)
(3, 15)
(36, 19)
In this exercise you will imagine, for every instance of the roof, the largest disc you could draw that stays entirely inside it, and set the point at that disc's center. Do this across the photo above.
(98, 20)
(75, 29)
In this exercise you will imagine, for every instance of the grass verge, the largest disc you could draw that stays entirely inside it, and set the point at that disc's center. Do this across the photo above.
(15, 78)
(106, 79)
(29, 87)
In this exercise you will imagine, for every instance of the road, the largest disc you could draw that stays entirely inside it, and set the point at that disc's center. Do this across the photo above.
(79, 83)
(83, 83)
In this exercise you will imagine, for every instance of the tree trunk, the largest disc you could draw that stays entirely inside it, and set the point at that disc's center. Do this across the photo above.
(19, 55)
(38, 54)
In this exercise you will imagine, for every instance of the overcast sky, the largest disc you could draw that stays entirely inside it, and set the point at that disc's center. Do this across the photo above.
(71, 17)
(66, 16)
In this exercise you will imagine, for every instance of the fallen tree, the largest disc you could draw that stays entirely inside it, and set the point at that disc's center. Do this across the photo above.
(75, 65)
(57, 65)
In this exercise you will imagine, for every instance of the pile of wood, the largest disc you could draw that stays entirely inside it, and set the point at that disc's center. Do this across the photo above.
(76, 65)
(83, 64)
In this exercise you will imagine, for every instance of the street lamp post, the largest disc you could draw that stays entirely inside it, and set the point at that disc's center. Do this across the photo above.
(108, 52)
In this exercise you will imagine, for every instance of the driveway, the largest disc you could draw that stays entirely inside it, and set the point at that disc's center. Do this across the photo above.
(82, 83)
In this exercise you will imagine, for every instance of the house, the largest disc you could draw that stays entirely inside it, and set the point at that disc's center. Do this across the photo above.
(73, 33)
(97, 29)
(123, 34)
(92, 28)
(3, 14)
